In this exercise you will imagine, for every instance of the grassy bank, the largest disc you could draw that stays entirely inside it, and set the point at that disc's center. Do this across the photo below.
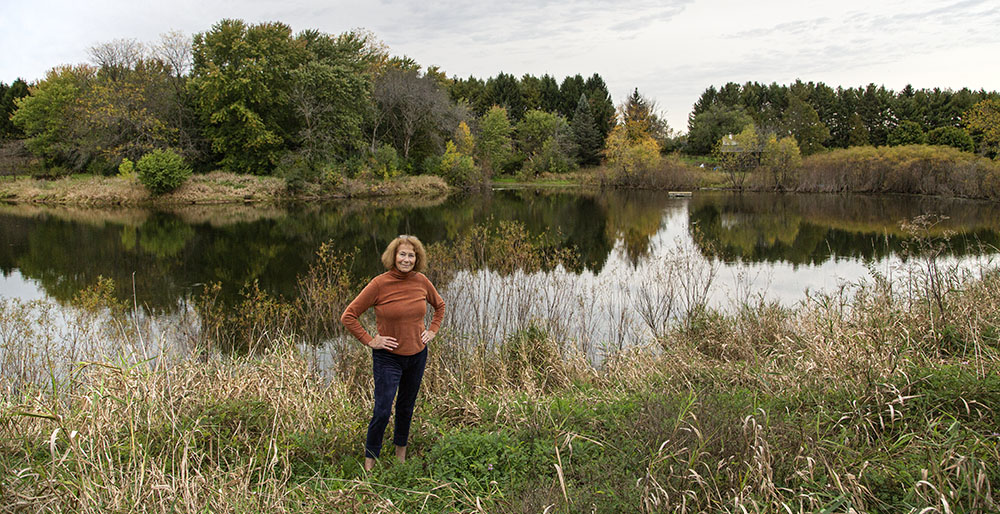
(912, 169)
(215, 187)
(882, 399)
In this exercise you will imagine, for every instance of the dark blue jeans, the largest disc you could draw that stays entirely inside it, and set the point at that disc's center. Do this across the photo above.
(394, 372)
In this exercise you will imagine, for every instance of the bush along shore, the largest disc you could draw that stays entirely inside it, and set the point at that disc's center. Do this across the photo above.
(880, 397)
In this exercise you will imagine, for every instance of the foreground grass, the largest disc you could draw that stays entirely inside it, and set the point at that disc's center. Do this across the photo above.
(884, 400)
(211, 188)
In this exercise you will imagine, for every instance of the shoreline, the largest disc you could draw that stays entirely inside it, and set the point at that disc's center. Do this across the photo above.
(214, 188)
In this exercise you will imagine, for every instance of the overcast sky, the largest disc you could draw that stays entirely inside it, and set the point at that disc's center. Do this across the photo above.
(671, 50)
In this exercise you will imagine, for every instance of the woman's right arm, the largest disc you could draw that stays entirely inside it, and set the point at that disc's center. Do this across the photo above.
(365, 299)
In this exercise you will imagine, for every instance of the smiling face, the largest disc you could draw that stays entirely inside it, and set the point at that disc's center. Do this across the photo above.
(406, 257)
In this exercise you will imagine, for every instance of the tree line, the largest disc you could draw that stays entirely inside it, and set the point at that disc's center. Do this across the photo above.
(317, 107)
(820, 117)
(260, 99)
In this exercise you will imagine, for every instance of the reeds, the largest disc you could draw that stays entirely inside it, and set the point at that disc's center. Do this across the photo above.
(883, 396)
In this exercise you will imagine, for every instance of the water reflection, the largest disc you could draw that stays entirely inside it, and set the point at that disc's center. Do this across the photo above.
(812, 229)
(171, 254)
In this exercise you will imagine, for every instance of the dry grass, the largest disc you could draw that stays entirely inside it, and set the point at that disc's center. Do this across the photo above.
(880, 397)
(212, 188)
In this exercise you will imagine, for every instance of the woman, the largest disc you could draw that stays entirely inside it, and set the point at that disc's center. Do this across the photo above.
(399, 349)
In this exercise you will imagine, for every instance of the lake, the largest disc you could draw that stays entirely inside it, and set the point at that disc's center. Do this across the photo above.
(635, 251)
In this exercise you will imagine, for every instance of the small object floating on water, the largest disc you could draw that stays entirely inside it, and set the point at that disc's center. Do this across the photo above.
(679, 194)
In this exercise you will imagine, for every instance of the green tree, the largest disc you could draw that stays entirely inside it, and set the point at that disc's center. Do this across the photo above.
(468, 92)
(858, 132)
(983, 120)
(493, 141)
(951, 136)
(549, 94)
(586, 135)
(544, 140)
(601, 107)
(907, 133)
(8, 96)
(242, 81)
(802, 122)
(50, 116)
(329, 96)
(708, 127)
(505, 91)
(569, 92)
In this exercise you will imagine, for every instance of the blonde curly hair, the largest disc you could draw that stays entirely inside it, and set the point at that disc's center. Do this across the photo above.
(389, 255)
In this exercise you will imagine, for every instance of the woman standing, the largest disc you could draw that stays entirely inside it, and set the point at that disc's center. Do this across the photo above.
(399, 349)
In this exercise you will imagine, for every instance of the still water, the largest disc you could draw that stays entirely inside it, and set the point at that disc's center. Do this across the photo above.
(630, 245)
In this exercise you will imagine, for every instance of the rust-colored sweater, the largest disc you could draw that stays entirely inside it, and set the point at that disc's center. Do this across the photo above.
(400, 301)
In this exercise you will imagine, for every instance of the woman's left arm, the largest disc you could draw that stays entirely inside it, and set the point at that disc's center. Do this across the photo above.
(437, 303)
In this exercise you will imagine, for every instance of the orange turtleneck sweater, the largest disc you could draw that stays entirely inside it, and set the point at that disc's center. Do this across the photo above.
(400, 301)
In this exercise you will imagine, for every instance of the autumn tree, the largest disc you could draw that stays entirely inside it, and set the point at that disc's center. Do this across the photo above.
(782, 159)
(739, 154)
(983, 121)
(51, 116)
(411, 110)
(631, 148)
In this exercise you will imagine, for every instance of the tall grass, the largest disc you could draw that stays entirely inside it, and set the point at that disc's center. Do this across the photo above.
(913, 169)
(880, 397)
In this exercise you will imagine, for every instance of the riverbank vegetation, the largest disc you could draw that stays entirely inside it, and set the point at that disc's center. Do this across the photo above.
(331, 109)
(326, 108)
(209, 188)
(879, 397)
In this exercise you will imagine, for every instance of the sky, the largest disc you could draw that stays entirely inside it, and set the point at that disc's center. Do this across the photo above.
(671, 50)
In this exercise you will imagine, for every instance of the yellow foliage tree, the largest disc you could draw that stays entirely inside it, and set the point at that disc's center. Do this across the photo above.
(631, 152)
(983, 119)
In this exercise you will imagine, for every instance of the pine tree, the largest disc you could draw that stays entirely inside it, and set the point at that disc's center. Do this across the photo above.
(585, 134)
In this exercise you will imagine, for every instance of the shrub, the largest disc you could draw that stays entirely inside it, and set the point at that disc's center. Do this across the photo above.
(911, 169)
(951, 136)
(162, 171)
(457, 168)
(907, 133)
(385, 162)
(126, 170)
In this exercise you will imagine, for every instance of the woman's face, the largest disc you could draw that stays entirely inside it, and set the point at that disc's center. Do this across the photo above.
(406, 257)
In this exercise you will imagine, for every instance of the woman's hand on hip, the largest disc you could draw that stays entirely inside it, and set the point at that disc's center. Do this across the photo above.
(426, 336)
(381, 342)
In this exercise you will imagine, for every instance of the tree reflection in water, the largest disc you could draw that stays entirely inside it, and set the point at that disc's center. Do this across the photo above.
(173, 254)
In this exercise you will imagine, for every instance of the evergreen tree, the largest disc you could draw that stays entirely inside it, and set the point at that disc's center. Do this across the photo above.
(549, 98)
(801, 121)
(504, 91)
(8, 94)
(601, 106)
(569, 93)
(586, 134)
